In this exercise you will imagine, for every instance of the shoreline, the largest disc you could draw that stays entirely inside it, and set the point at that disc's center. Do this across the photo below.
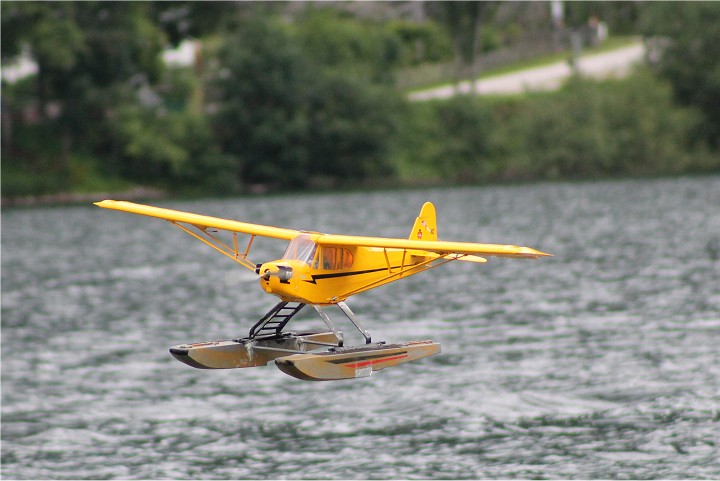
(67, 198)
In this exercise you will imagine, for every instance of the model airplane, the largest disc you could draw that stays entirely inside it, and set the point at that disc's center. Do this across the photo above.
(320, 270)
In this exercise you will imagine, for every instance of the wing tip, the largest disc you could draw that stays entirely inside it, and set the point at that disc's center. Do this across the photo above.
(534, 253)
(105, 203)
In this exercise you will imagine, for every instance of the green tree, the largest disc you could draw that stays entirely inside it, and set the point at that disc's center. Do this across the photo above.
(289, 119)
(53, 37)
(176, 150)
(366, 50)
(592, 129)
(422, 42)
(90, 56)
(99, 65)
(466, 21)
(261, 91)
(453, 140)
(350, 127)
(466, 153)
(192, 19)
(121, 53)
(687, 45)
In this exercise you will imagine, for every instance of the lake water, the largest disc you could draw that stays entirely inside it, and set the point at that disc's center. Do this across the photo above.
(600, 362)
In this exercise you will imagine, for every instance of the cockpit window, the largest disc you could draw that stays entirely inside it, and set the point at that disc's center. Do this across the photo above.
(301, 248)
(333, 259)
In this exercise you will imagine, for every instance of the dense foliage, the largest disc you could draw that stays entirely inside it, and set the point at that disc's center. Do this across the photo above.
(276, 102)
(308, 100)
(687, 42)
(586, 130)
(91, 96)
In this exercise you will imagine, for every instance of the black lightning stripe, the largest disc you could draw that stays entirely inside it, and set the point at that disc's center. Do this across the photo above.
(315, 277)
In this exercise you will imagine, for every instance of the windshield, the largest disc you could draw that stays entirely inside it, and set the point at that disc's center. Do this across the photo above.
(301, 248)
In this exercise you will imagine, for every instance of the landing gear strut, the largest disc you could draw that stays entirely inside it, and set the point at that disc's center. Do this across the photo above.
(277, 318)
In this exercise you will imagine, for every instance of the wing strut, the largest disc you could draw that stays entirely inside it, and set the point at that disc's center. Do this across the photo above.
(220, 246)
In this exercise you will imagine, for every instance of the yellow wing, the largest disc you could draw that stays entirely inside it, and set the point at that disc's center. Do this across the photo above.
(200, 220)
(466, 251)
(443, 248)
(199, 227)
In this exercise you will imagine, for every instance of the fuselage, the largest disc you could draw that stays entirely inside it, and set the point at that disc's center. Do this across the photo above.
(320, 274)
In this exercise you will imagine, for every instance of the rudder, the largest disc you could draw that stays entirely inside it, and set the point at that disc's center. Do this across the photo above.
(425, 227)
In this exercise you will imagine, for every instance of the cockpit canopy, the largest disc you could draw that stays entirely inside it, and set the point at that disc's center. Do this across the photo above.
(301, 248)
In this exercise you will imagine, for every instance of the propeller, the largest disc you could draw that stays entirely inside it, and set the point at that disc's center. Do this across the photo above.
(283, 273)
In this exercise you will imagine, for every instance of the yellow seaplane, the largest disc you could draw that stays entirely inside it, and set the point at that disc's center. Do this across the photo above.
(319, 270)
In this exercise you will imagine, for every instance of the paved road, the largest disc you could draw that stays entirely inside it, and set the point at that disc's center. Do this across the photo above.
(615, 63)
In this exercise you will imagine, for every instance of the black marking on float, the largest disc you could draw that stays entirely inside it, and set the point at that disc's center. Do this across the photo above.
(365, 358)
(183, 356)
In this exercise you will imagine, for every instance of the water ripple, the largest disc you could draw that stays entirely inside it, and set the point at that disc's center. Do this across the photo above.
(601, 362)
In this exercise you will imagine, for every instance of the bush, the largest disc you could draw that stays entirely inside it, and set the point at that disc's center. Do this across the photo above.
(342, 44)
(587, 129)
(289, 119)
(685, 41)
(590, 129)
(422, 42)
(168, 149)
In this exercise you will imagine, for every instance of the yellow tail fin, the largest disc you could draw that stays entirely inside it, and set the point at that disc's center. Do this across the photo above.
(425, 227)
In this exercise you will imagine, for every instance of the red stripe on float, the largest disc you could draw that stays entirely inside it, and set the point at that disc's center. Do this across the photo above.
(376, 361)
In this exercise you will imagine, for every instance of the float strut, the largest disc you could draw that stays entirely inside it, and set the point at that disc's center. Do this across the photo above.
(330, 324)
(350, 315)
